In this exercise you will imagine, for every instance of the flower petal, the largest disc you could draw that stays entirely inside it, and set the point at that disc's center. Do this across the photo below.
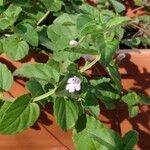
(70, 80)
(70, 88)
(77, 87)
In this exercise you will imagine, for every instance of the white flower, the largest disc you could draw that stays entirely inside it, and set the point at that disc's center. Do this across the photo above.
(73, 84)
(7, 35)
(121, 56)
(73, 43)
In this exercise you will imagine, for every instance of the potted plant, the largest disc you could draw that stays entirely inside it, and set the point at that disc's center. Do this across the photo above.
(62, 34)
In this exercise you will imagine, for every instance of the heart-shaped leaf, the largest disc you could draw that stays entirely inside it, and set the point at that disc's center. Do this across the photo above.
(130, 139)
(15, 48)
(66, 113)
(38, 71)
(107, 137)
(81, 135)
(6, 78)
(20, 115)
(28, 33)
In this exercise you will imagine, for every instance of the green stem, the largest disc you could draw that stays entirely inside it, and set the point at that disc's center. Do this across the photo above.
(82, 39)
(38, 98)
(43, 18)
(86, 67)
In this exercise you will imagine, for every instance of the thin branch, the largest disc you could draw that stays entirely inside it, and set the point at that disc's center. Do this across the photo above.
(43, 18)
(136, 9)
(147, 32)
(86, 67)
(44, 95)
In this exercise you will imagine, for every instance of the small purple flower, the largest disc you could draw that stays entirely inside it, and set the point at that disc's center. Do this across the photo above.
(73, 84)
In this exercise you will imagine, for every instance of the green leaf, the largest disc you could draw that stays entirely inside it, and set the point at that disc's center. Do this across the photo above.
(66, 19)
(1, 2)
(89, 28)
(108, 49)
(91, 103)
(65, 55)
(82, 20)
(14, 48)
(1, 47)
(43, 37)
(38, 71)
(133, 111)
(145, 18)
(52, 5)
(35, 88)
(120, 32)
(119, 7)
(12, 12)
(145, 40)
(10, 16)
(4, 23)
(113, 71)
(106, 91)
(82, 50)
(107, 137)
(66, 113)
(20, 115)
(3, 107)
(116, 21)
(140, 2)
(93, 107)
(131, 98)
(144, 99)
(86, 25)
(28, 33)
(80, 134)
(6, 78)
(90, 10)
(130, 139)
(61, 35)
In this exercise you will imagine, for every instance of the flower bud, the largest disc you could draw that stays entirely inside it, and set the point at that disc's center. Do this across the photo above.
(88, 57)
(121, 56)
(73, 43)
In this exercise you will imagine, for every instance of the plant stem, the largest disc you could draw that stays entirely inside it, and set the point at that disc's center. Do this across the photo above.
(38, 98)
(134, 10)
(142, 29)
(86, 67)
(43, 18)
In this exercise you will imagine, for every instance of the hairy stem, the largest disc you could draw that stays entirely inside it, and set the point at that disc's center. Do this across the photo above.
(88, 66)
(43, 18)
(38, 98)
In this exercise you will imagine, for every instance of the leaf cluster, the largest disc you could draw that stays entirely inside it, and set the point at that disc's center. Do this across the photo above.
(48, 26)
